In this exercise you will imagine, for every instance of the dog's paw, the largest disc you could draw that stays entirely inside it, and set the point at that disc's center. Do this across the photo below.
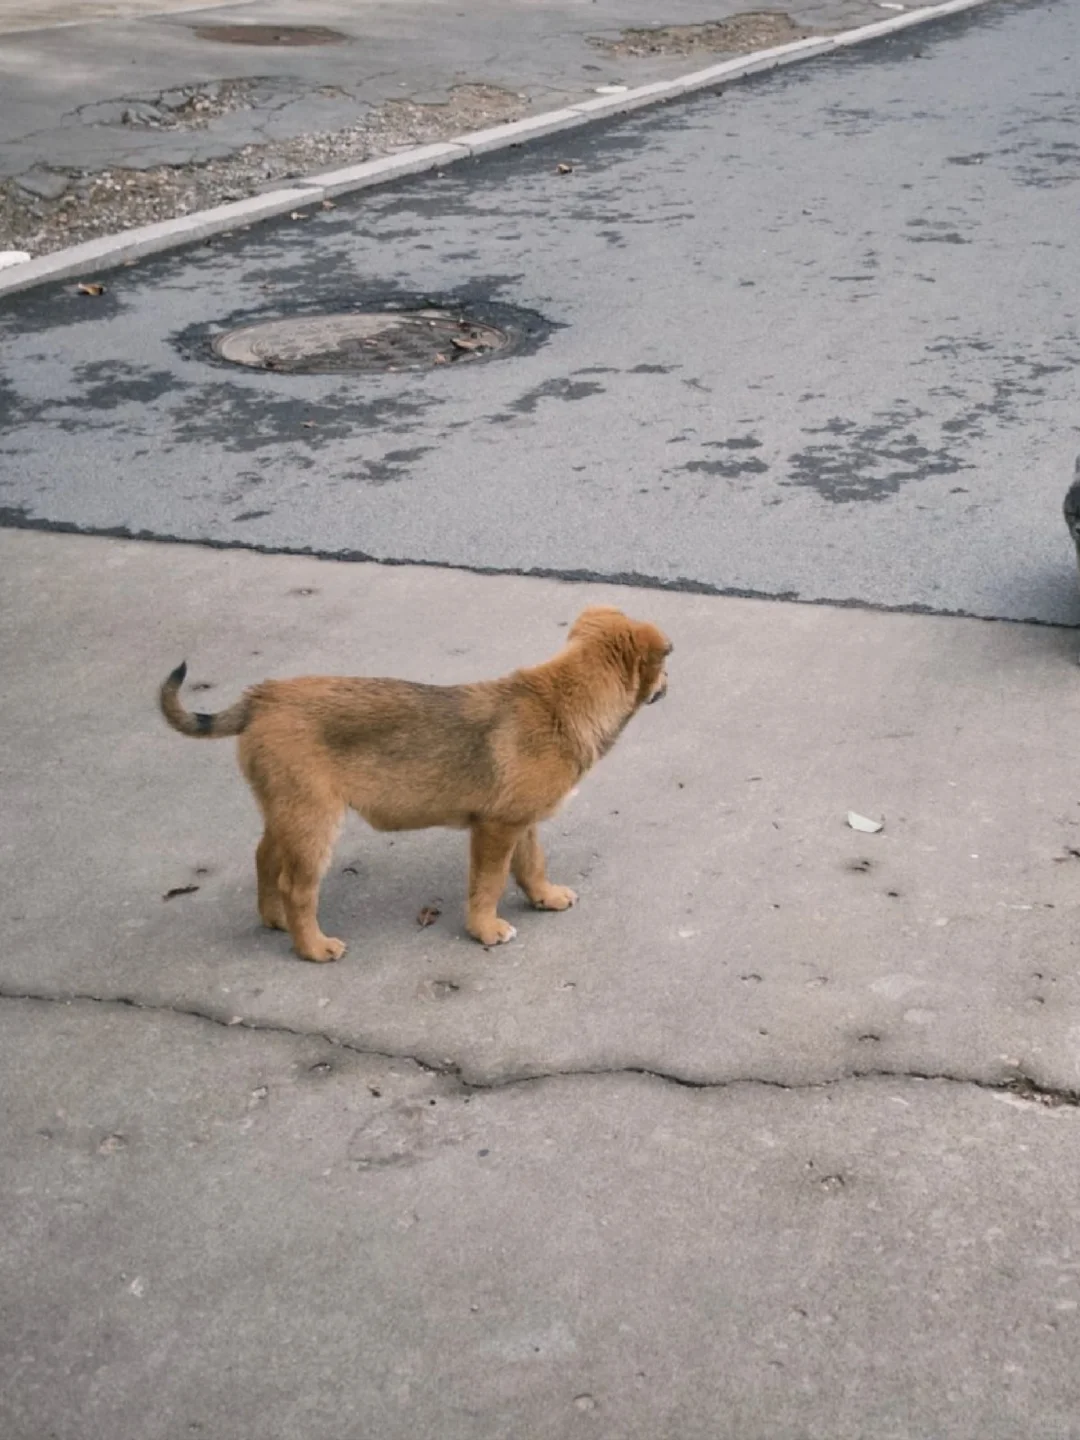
(497, 932)
(325, 948)
(554, 897)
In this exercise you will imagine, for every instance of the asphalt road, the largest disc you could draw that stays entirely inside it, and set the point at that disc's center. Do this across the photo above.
(811, 337)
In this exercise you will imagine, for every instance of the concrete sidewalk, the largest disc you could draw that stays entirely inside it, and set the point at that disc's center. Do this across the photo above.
(127, 113)
(772, 1135)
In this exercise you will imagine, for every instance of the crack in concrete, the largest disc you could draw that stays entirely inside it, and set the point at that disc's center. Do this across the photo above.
(233, 1022)
(18, 517)
(1018, 1084)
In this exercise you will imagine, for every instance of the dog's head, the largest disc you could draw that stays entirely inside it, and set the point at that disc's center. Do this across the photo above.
(637, 648)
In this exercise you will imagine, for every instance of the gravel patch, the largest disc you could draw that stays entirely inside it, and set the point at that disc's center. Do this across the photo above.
(756, 30)
(85, 205)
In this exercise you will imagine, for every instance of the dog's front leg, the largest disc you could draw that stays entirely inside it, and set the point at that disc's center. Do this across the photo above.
(490, 848)
(303, 847)
(530, 873)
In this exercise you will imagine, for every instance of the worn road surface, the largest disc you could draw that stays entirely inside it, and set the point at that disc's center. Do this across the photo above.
(71, 70)
(124, 113)
(813, 337)
(775, 1133)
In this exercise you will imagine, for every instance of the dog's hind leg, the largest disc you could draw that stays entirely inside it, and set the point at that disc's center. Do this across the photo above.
(268, 873)
(530, 872)
(304, 845)
(490, 848)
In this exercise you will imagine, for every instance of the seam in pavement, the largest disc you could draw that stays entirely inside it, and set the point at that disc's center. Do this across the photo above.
(16, 517)
(1018, 1084)
(109, 251)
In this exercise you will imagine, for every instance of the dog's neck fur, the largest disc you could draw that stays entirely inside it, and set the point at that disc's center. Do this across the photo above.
(591, 711)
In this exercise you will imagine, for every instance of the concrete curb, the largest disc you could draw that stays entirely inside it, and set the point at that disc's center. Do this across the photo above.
(111, 250)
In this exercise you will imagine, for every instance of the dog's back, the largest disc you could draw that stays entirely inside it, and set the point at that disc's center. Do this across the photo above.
(405, 756)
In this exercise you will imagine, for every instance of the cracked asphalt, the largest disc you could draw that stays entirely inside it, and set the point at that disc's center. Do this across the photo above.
(772, 1135)
(123, 114)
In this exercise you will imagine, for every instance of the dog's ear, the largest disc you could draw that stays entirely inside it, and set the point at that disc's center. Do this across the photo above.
(652, 648)
(598, 620)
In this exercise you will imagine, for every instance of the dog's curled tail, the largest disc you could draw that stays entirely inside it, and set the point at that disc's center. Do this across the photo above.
(203, 727)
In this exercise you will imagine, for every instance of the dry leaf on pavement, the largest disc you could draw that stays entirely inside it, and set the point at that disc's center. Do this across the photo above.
(179, 890)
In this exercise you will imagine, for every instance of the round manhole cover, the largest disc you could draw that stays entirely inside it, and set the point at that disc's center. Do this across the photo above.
(365, 341)
(270, 34)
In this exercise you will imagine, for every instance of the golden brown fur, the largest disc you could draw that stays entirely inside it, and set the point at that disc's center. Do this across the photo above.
(494, 758)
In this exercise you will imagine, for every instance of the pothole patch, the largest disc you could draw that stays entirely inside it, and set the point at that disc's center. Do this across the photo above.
(187, 107)
(375, 340)
(737, 35)
(281, 35)
(60, 209)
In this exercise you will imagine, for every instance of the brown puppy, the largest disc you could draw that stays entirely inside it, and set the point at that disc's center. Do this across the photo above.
(493, 758)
